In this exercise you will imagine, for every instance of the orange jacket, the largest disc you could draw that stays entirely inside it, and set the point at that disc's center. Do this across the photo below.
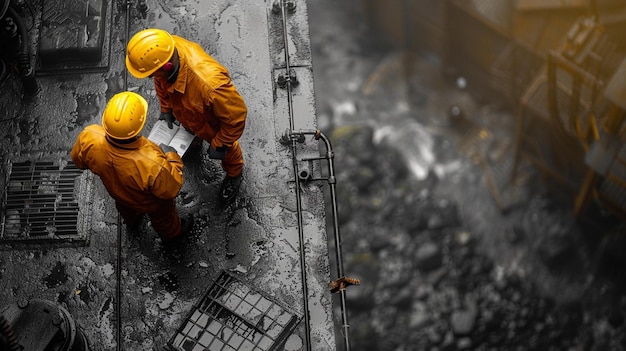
(137, 174)
(203, 98)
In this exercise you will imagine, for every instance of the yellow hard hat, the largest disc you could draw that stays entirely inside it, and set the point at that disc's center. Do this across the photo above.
(147, 51)
(125, 115)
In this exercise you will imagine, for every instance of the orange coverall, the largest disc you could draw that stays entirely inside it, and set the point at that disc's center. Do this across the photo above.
(138, 176)
(205, 101)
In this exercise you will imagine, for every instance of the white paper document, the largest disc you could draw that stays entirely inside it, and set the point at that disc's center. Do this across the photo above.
(178, 137)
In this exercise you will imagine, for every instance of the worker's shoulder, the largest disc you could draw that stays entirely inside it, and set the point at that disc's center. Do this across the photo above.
(179, 39)
(92, 132)
(148, 147)
(95, 129)
(187, 47)
(194, 55)
(150, 152)
(200, 67)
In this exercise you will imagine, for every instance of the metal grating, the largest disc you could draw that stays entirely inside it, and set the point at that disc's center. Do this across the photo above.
(231, 316)
(41, 202)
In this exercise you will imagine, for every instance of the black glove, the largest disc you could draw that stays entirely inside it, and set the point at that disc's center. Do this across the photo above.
(218, 153)
(168, 117)
(167, 148)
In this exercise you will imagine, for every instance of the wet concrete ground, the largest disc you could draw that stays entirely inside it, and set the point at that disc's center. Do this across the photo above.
(255, 238)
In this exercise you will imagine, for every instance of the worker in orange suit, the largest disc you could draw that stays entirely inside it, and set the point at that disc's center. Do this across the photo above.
(140, 176)
(196, 90)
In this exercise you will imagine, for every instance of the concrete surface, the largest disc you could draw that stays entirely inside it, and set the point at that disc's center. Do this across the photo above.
(256, 238)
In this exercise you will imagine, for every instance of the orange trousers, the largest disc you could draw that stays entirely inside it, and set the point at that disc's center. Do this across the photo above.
(232, 164)
(164, 218)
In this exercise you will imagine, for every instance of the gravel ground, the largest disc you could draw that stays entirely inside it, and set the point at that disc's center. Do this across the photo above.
(442, 268)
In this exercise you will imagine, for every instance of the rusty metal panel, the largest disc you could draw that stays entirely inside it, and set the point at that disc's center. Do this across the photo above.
(475, 45)
(614, 194)
(528, 5)
(613, 187)
(409, 24)
(544, 30)
(616, 87)
(72, 30)
(74, 33)
(498, 13)
(618, 168)
(513, 71)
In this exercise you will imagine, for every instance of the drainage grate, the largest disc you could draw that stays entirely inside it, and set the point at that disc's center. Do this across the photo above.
(41, 202)
(231, 316)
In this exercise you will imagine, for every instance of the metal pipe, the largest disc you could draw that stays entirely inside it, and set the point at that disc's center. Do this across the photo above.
(26, 70)
(338, 251)
(332, 181)
(305, 290)
(295, 137)
(127, 36)
(118, 285)
(118, 322)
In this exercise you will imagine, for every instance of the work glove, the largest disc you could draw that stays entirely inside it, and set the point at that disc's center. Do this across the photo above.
(166, 148)
(168, 117)
(218, 153)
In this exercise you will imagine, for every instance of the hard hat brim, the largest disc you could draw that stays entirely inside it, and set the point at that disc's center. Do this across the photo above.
(136, 73)
(120, 101)
(131, 66)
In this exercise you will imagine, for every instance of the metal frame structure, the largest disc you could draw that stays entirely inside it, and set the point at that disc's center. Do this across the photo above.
(565, 120)
(232, 316)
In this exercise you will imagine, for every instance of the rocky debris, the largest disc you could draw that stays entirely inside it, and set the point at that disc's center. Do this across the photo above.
(434, 287)
(463, 319)
(428, 257)
(441, 267)
(167, 301)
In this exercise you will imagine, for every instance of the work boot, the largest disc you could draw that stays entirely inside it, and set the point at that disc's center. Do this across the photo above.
(186, 226)
(230, 187)
(194, 149)
(136, 227)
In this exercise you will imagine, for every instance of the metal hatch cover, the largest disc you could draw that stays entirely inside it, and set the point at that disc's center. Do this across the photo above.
(74, 36)
(232, 316)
